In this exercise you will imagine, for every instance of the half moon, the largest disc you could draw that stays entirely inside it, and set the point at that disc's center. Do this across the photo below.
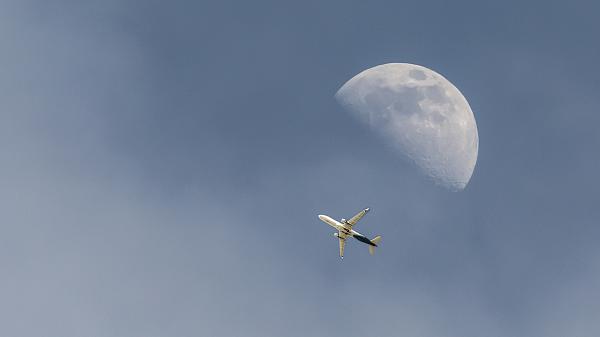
(424, 116)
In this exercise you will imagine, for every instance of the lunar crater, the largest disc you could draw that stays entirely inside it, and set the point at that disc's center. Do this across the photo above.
(417, 74)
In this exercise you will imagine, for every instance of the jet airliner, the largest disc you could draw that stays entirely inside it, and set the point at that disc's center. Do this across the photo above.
(344, 231)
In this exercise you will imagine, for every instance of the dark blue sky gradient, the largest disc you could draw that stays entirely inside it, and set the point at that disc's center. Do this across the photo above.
(163, 166)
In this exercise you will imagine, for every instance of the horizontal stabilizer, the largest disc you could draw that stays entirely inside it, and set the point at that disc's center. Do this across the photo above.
(375, 241)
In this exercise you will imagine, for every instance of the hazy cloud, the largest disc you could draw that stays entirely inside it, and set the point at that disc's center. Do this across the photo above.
(163, 165)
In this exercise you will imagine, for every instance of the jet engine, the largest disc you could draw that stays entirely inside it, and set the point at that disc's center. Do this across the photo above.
(336, 234)
(343, 220)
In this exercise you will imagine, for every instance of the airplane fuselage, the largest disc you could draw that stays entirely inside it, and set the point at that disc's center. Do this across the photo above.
(345, 230)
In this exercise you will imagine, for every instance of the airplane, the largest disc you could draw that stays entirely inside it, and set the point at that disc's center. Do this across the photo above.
(345, 230)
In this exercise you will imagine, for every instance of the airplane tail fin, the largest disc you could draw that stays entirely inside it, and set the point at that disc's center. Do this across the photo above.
(376, 241)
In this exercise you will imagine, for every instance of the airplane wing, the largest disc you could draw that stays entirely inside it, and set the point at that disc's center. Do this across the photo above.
(357, 217)
(342, 244)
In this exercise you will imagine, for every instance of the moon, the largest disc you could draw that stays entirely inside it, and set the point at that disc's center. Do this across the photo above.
(421, 114)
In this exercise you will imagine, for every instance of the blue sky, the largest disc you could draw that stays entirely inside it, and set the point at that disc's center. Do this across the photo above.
(163, 166)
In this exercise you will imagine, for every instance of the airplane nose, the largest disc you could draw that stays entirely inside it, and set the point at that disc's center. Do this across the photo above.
(321, 217)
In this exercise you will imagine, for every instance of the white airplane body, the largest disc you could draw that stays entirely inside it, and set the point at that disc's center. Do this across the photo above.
(344, 228)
